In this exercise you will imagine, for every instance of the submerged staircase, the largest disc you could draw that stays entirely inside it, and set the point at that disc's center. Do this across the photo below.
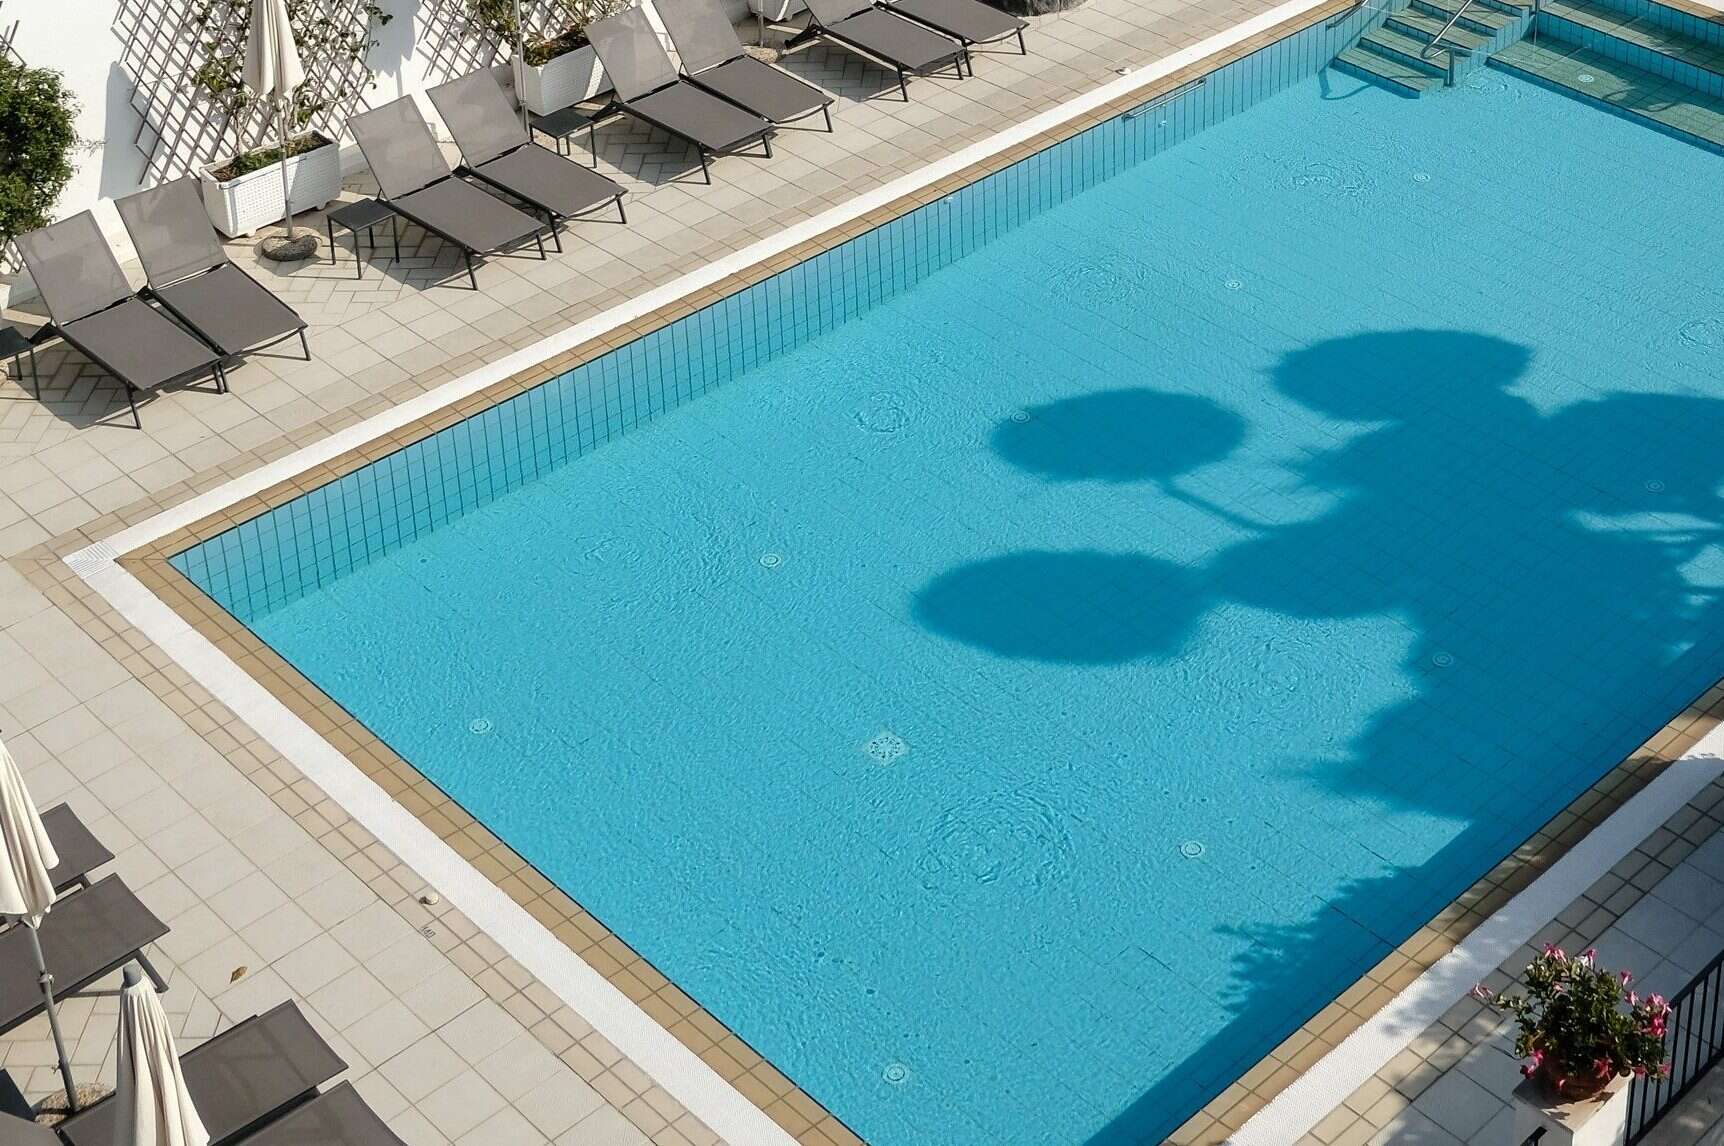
(1405, 54)
(1661, 66)
(1660, 62)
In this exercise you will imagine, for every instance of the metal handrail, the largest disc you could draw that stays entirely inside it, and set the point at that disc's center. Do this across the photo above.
(1425, 52)
(1693, 1042)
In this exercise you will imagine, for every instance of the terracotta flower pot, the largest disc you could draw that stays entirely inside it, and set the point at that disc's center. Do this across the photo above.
(1575, 1089)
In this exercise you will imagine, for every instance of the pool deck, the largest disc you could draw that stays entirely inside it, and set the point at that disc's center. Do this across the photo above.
(255, 868)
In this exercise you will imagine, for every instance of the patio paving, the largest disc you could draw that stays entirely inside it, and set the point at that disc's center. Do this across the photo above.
(271, 891)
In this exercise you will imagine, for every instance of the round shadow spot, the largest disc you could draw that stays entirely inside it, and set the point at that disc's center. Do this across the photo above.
(1393, 375)
(1080, 607)
(1120, 436)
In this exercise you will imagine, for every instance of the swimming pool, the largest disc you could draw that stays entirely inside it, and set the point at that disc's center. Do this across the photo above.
(1015, 709)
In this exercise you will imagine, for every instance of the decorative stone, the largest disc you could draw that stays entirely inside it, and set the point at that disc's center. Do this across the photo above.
(1601, 1120)
(281, 249)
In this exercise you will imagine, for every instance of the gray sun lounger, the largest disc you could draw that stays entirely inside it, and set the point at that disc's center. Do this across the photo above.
(970, 22)
(337, 1117)
(92, 306)
(498, 150)
(87, 935)
(242, 1080)
(80, 851)
(908, 48)
(649, 88)
(417, 183)
(713, 58)
(192, 277)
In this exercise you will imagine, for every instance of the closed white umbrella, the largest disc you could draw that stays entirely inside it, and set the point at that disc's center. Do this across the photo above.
(151, 1105)
(26, 889)
(272, 70)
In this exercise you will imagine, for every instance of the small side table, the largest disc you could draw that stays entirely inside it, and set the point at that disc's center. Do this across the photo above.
(14, 345)
(562, 125)
(362, 215)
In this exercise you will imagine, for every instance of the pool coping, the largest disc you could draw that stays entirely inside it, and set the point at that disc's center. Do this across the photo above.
(715, 1074)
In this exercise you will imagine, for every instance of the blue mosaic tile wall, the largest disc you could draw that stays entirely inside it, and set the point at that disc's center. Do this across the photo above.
(280, 555)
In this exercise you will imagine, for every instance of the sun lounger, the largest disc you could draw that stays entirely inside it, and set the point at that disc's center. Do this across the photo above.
(648, 88)
(499, 151)
(18, 1126)
(337, 1117)
(416, 181)
(242, 1081)
(80, 852)
(713, 58)
(191, 276)
(88, 934)
(967, 21)
(908, 48)
(92, 306)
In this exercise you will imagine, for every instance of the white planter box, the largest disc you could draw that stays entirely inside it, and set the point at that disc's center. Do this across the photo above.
(240, 206)
(566, 79)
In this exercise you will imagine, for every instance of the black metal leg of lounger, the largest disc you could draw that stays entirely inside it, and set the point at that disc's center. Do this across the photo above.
(220, 380)
(395, 233)
(539, 238)
(622, 215)
(471, 277)
(705, 167)
(1022, 51)
(593, 141)
(767, 145)
(903, 86)
(304, 346)
(826, 110)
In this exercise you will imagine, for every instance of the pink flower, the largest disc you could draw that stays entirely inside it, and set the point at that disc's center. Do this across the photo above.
(1526, 1071)
(1554, 951)
(1664, 1070)
(1639, 1072)
(1626, 978)
(1537, 1057)
(1657, 1003)
(1590, 954)
(1603, 1068)
(1480, 993)
(1633, 999)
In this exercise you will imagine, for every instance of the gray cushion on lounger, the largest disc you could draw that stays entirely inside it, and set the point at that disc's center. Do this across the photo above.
(475, 219)
(969, 20)
(894, 39)
(687, 111)
(79, 850)
(230, 308)
(88, 934)
(338, 1117)
(633, 58)
(139, 343)
(549, 180)
(762, 88)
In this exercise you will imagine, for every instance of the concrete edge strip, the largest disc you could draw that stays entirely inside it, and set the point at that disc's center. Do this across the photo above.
(1330, 1080)
(700, 1089)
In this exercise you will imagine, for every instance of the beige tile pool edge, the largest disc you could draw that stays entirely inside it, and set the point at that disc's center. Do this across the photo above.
(721, 1049)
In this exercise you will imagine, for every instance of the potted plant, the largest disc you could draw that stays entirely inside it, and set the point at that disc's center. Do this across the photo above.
(1580, 1025)
(242, 188)
(559, 66)
(243, 192)
(36, 141)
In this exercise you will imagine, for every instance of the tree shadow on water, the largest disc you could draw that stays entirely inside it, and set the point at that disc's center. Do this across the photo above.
(1531, 553)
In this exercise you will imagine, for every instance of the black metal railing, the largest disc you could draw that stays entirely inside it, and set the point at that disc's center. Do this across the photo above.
(1693, 1042)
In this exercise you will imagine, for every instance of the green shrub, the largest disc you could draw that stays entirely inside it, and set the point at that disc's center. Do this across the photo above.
(36, 142)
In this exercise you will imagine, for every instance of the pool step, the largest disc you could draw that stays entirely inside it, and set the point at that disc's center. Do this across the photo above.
(1407, 50)
(1478, 18)
(1634, 93)
(1424, 28)
(1402, 79)
(1637, 41)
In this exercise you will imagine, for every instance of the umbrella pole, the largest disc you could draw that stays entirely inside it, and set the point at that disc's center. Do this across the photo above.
(47, 981)
(520, 63)
(287, 204)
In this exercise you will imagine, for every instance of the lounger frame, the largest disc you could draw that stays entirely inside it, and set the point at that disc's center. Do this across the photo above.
(1023, 49)
(467, 253)
(958, 60)
(51, 330)
(152, 292)
(617, 108)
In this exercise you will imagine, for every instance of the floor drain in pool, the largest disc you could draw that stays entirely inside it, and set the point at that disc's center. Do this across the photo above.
(1421, 177)
(1020, 416)
(1654, 486)
(1191, 849)
(886, 747)
(1442, 660)
(896, 1073)
(1586, 77)
(1235, 284)
(771, 560)
(479, 726)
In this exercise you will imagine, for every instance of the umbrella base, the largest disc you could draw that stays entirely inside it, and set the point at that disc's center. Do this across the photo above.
(51, 1111)
(281, 249)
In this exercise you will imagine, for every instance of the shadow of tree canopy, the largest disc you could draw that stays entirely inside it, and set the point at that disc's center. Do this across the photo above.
(1527, 552)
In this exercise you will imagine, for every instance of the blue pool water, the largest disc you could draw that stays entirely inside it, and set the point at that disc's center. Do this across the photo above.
(1014, 711)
